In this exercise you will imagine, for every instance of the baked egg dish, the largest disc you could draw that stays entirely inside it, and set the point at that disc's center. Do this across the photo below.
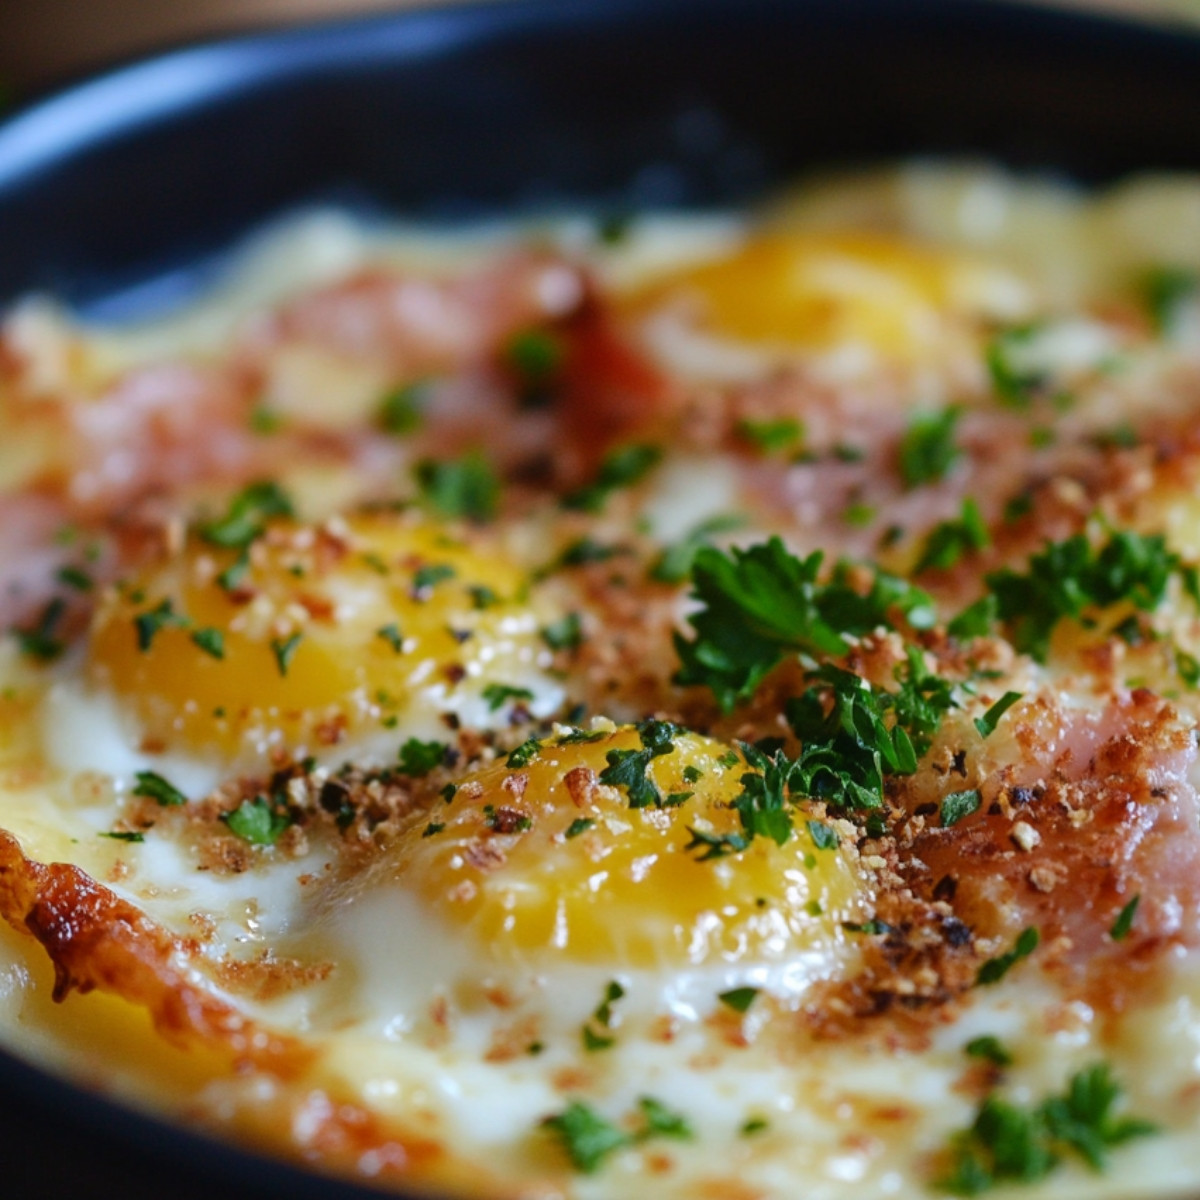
(701, 706)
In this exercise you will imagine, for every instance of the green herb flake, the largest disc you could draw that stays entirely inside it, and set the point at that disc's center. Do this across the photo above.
(402, 410)
(754, 1125)
(426, 578)
(627, 768)
(482, 597)
(660, 1121)
(524, 754)
(859, 515)
(772, 437)
(248, 513)
(259, 821)
(211, 641)
(738, 999)
(824, 837)
(587, 1137)
(154, 787)
(990, 1049)
(976, 620)
(1015, 383)
(620, 468)
(149, 624)
(957, 805)
(996, 968)
(74, 577)
(234, 575)
(1009, 1144)
(498, 694)
(419, 758)
(1124, 922)
(692, 773)
(432, 829)
(1165, 291)
(122, 835)
(597, 1031)
(1069, 577)
(927, 449)
(391, 634)
(265, 420)
(466, 488)
(564, 634)
(990, 719)
(284, 650)
(578, 826)
(41, 640)
(950, 540)
(535, 354)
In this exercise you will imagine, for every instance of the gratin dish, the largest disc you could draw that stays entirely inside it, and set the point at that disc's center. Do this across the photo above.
(121, 194)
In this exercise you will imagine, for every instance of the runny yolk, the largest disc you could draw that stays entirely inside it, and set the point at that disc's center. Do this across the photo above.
(542, 860)
(316, 634)
(815, 291)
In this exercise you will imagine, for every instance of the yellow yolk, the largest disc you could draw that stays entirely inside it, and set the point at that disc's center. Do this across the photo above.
(318, 634)
(819, 290)
(542, 858)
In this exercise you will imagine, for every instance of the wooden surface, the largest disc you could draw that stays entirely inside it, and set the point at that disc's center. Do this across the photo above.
(44, 41)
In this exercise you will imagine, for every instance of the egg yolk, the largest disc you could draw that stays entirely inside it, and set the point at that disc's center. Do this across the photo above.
(814, 291)
(541, 857)
(313, 633)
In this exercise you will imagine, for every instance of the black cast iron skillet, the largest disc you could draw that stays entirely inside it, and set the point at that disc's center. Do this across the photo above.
(118, 193)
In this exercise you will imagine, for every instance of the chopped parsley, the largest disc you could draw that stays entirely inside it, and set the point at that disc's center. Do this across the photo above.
(564, 634)
(74, 577)
(211, 641)
(761, 603)
(578, 826)
(990, 1049)
(1166, 290)
(426, 578)
(498, 694)
(1068, 577)
(234, 575)
(247, 516)
(41, 640)
(976, 620)
(1015, 381)
(466, 488)
(403, 409)
(122, 835)
(589, 1139)
(258, 821)
(950, 540)
(151, 623)
(739, 999)
(154, 787)
(957, 805)
(996, 968)
(990, 719)
(524, 754)
(597, 1032)
(419, 758)
(758, 604)
(928, 449)
(824, 837)
(1124, 922)
(391, 634)
(627, 768)
(772, 437)
(284, 650)
(1007, 1143)
(432, 829)
(620, 468)
(535, 354)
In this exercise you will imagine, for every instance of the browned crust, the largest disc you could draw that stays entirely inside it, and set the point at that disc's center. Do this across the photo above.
(96, 940)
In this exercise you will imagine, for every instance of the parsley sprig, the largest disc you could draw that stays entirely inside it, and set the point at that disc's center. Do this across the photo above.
(589, 1138)
(762, 603)
(1071, 576)
(1010, 1144)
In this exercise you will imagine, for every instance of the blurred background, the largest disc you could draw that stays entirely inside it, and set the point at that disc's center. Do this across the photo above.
(43, 42)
